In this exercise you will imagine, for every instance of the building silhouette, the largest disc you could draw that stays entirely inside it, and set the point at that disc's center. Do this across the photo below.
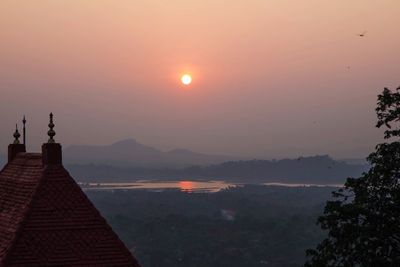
(45, 217)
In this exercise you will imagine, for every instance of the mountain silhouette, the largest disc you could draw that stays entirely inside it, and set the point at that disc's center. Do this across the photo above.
(130, 153)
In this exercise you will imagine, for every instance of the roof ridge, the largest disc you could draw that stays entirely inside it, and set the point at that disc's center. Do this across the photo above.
(106, 224)
(24, 218)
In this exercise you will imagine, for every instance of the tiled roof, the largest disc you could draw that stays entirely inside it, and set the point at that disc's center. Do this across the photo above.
(47, 220)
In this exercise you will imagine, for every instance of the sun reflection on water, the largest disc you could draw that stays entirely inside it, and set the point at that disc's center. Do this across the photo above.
(186, 186)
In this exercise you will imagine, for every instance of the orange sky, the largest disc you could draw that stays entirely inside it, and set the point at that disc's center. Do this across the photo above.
(270, 78)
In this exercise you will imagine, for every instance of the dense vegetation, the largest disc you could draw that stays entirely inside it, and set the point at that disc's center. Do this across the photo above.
(246, 226)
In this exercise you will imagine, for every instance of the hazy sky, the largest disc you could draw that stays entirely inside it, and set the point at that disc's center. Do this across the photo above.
(271, 78)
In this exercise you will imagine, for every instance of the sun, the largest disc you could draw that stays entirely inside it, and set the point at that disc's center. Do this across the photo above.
(186, 79)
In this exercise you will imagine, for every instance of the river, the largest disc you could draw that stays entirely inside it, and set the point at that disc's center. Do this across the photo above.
(185, 186)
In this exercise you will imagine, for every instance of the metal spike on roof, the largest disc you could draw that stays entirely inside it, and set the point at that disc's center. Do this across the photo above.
(51, 133)
(16, 135)
(24, 130)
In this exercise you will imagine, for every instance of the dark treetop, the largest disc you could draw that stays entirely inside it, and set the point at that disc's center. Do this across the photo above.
(363, 219)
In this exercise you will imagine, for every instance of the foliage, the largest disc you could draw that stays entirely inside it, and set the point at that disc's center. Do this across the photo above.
(363, 219)
(388, 111)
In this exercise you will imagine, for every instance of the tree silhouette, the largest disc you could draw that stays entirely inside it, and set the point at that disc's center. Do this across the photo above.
(362, 220)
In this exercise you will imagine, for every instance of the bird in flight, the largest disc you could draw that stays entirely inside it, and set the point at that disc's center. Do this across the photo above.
(362, 34)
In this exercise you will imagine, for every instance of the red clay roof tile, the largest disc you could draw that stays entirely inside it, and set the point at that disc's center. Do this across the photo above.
(47, 220)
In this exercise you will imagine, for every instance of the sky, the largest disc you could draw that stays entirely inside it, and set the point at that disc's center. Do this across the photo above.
(271, 79)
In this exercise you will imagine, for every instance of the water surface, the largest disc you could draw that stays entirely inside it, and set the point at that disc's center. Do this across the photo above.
(185, 186)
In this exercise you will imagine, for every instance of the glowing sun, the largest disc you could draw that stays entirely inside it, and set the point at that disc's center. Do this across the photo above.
(186, 79)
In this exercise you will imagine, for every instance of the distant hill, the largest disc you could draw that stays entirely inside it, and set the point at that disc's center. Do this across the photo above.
(316, 169)
(130, 153)
(356, 161)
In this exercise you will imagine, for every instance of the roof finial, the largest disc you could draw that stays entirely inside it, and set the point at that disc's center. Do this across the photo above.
(51, 133)
(16, 135)
(24, 130)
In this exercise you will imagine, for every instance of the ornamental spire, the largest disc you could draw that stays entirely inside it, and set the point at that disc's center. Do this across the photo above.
(16, 135)
(51, 133)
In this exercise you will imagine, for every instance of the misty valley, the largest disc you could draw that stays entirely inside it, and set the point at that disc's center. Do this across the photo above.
(233, 213)
(248, 225)
(222, 211)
